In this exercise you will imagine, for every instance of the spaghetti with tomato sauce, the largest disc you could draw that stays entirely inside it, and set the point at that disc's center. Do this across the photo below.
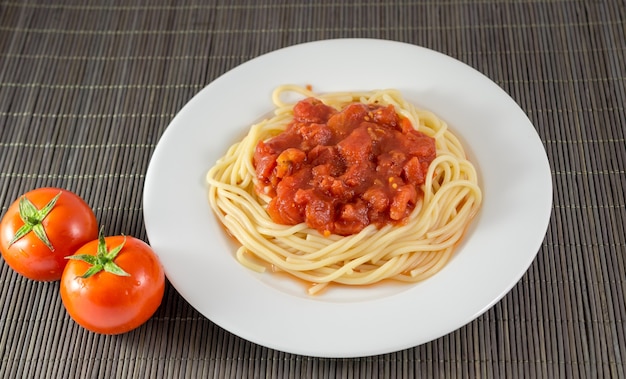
(342, 170)
(350, 188)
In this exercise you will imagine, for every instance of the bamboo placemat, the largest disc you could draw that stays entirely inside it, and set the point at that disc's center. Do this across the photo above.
(87, 89)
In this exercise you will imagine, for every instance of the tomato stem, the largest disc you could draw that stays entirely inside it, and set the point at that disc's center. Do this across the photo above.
(33, 219)
(103, 260)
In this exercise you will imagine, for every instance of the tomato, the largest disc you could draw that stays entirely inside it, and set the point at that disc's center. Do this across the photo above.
(112, 285)
(41, 228)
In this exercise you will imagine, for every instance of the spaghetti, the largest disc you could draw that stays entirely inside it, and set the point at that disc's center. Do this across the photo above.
(410, 251)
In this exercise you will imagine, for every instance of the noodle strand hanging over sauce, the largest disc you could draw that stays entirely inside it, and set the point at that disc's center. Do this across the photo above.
(351, 188)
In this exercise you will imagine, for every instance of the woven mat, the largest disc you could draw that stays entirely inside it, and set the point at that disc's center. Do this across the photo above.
(87, 89)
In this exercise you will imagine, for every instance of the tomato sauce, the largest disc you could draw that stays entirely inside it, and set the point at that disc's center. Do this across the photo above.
(342, 170)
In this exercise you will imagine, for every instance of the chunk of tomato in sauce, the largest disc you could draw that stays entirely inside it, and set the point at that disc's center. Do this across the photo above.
(342, 123)
(289, 161)
(312, 110)
(357, 147)
(314, 134)
(386, 116)
(282, 208)
(403, 199)
(264, 161)
(352, 218)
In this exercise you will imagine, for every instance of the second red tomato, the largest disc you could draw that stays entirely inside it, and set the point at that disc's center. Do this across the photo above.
(113, 285)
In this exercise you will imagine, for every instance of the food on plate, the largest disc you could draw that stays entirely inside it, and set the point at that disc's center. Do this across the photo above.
(41, 228)
(351, 188)
(112, 285)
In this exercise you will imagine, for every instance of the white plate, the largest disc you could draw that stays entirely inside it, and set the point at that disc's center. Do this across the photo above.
(347, 322)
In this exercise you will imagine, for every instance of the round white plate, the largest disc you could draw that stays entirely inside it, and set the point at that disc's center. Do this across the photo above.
(275, 311)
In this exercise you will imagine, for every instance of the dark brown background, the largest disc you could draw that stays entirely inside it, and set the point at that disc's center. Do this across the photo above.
(87, 89)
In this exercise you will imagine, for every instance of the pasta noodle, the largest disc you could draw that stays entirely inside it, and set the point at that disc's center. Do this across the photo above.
(410, 252)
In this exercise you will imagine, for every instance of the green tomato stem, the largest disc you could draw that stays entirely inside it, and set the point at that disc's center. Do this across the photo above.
(33, 219)
(103, 260)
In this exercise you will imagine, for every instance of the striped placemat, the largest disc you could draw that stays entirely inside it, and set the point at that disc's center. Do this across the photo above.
(88, 88)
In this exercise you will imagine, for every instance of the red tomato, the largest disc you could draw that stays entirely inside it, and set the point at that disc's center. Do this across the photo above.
(41, 228)
(113, 285)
